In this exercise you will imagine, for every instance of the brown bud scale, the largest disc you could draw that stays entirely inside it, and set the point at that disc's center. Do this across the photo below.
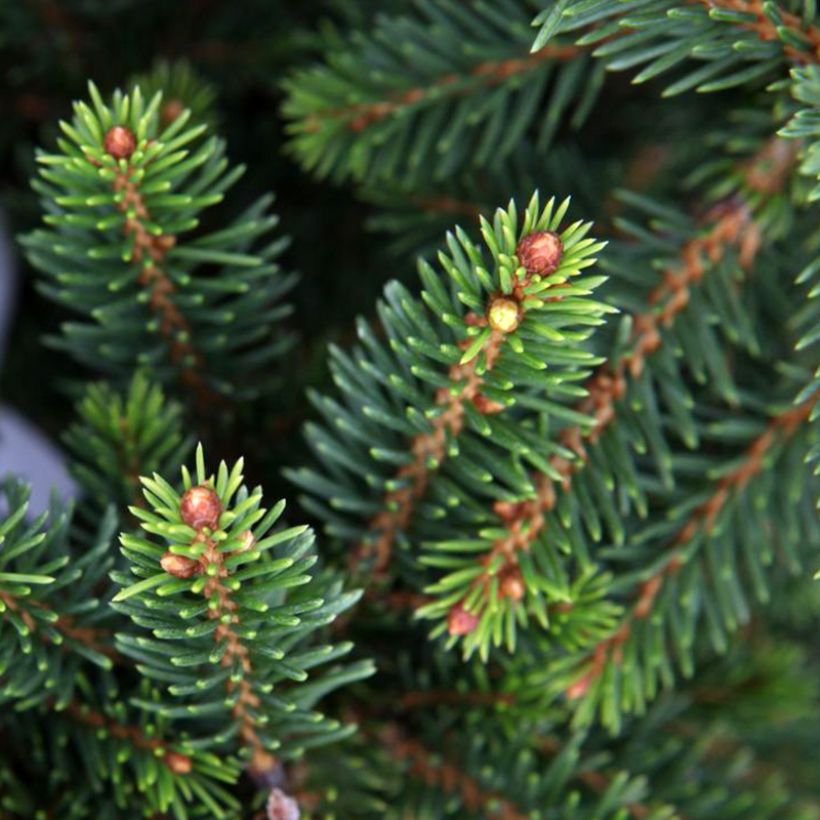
(170, 110)
(485, 405)
(579, 688)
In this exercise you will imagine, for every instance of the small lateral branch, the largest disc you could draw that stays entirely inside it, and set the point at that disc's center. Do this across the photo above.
(360, 116)
(767, 30)
(731, 226)
(236, 654)
(724, 745)
(176, 762)
(94, 639)
(780, 428)
(446, 776)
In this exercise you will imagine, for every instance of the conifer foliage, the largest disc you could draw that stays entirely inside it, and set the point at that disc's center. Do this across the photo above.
(121, 194)
(563, 471)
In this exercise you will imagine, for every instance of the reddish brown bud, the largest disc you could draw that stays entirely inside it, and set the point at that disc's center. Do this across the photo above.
(120, 142)
(178, 763)
(512, 585)
(178, 565)
(504, 314)
(282, 806)
(485, 405)
(540, 252)
(200, 507)
(460, 621)
(170, 110)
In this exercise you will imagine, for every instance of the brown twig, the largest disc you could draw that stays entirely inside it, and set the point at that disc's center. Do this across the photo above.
(359, 116)
(731, 226)
(94, 639)
(432, 446)
(448, 205)
(427, 447)
(176, 762)
(236, 653)
(149, 250)
(446, 775)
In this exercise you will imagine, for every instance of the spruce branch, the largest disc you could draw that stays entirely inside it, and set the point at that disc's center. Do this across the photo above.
(681, 550)
(729, 227)
(804, 125)
(578, 489)
(51, 620)
(714, 44)
(122, 754)
(122, 196)
(473, 602)
(212, 585)
(580, 771)
(770, 23)
(415, 217)
(359, 116)
(543, 774)
(133, 736)
(33, 614)
(452, 372)
(154, 280)
(351, 115)
(468, 105)
(598, 781)
(182, 89)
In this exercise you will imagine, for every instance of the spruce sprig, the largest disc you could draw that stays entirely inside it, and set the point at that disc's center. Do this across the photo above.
(225, 607)
(123, 194)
